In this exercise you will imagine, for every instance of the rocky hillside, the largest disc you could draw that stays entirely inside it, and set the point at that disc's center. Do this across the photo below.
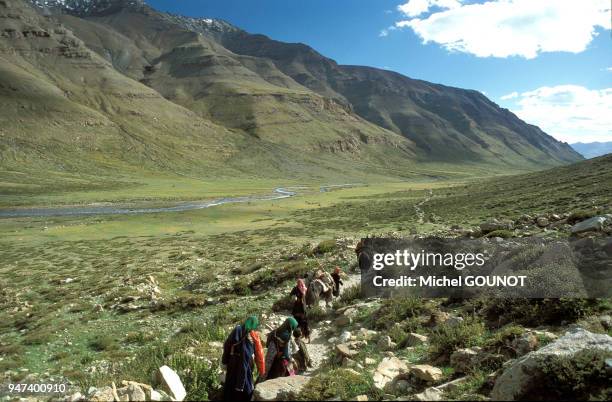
(289, 94)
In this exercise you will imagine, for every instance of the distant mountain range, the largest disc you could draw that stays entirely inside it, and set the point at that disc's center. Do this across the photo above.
(116, 86)
(593, 149)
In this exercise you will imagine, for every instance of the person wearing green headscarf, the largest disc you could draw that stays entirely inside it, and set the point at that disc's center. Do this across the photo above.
(278, 357)
(238, 351)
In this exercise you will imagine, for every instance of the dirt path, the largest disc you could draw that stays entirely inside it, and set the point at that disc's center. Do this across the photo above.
(319, 348)
(419, 211)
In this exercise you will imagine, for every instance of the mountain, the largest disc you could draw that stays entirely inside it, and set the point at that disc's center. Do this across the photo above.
(592, 149)
(116, 88)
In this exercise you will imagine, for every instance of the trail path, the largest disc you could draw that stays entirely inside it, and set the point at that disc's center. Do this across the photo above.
(319, 348)
(419, 211)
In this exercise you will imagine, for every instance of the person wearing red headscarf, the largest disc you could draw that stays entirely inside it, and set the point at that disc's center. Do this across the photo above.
(299, 308)
(337, 280)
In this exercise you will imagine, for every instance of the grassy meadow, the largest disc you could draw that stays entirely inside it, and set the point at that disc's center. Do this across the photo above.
(75, 292)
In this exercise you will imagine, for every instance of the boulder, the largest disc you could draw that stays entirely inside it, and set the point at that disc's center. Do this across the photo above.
(343, 321)
(102, 395)
(414, 339)
(493, 225)
(345, 351)
(454, 321)
(526, 343)
(401, 387)
(388, 370)
(594, 224)
(345, 337)
(521, 378)
(426, 372)
(361, 398)
(462, 360)
(430, 394)
(280, 389)
(170, 382)
(542, 221)
(135, 393)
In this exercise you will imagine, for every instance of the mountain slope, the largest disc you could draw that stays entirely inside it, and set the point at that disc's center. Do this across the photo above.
(444, 122)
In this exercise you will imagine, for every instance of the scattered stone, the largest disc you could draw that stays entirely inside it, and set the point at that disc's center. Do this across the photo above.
(344, 350)
(594, 224)
(526, 343)
(438, 317)
(452, 385)
(542, 221)
(462, 360)
(135, 393)
(388, 369)
(385, 343)
(414, 339)
(280, 389)
(493, 225)
(522, 377)
(453, 321)
(170, 382)
(430, 394)
(102, 395)
(361, 398)
(369, 361)
(343, 321)
(345, 337)
(366, 334)
(401, 387)
(426, 372)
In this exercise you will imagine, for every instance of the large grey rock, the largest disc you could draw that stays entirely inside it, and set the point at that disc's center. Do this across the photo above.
(494, 225)
(388, 370)
(594, 224)
(280, 389)
(170, 382)
(524, 374)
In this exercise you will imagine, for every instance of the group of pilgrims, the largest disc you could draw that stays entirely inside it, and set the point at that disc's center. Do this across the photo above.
(287, 353)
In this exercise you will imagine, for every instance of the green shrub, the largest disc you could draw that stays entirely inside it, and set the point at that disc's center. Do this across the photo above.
(447, 338)
(326, 246)
(501, 341)
(581, 377)
(317, 313)
(283, 304)
(199, 376)
(398, 309)
(339, 384)
(241, 287)
(349, 296)
(103, 343)
(504, 234)
(535, 312)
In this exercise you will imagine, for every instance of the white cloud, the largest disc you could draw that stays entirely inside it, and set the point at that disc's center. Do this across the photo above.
(503, 28)
(385, 32)
(609, 69)
(414, 8)
(510, 96)
(569, 113)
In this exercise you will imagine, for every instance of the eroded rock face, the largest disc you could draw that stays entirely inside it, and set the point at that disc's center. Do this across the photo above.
(523, 377)
(280, 389)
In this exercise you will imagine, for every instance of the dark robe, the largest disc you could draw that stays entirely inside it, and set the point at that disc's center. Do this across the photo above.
(238, 356)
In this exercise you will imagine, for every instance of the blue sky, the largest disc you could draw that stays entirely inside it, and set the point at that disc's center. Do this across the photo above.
(550, 61)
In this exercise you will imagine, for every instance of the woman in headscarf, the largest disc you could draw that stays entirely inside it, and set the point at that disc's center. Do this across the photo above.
(299, 307)
(238, 351)
(337, 280)
(278, 357)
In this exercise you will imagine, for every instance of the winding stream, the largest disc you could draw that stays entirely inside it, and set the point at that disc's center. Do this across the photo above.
(278, 194)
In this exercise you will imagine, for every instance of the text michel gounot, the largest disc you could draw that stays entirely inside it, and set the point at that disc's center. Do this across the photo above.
(458, 261)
